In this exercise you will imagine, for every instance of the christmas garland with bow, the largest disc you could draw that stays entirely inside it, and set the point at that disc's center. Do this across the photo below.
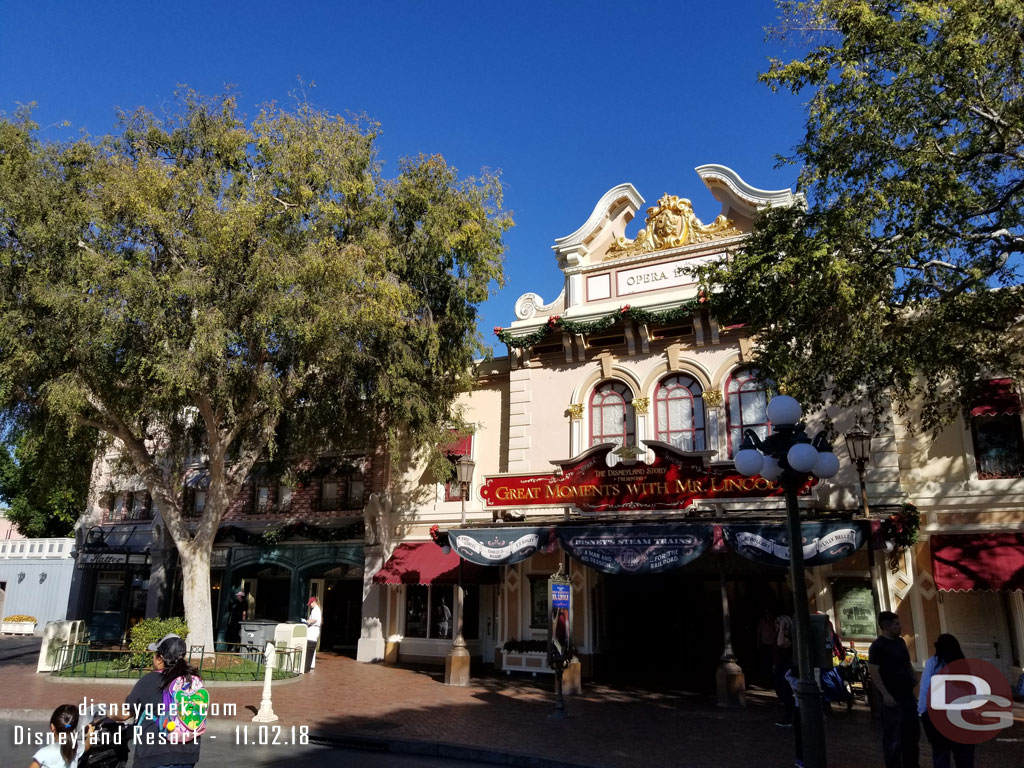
(274, 536)
(636, 314)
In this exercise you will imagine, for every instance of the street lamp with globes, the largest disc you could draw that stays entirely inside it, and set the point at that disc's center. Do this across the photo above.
(456, 668)
(789, 456)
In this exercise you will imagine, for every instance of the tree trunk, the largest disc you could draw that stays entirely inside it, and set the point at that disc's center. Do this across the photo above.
(195, 586)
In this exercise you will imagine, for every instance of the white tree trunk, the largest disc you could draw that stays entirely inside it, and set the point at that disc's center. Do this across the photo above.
(195, 586)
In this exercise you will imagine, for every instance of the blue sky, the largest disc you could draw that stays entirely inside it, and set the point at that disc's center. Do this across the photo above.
(567, 99)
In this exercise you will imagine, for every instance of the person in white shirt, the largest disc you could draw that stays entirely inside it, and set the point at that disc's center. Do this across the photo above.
(68, 745)
(314, 624)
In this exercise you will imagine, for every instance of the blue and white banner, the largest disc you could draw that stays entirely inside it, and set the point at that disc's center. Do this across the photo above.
(499, 546)
(824, 542)
(638, 548)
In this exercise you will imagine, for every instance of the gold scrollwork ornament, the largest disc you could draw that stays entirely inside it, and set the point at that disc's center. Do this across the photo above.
(576, 411)
(641, 404)
(670, 224)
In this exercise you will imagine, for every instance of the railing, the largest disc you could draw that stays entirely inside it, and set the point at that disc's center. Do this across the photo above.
(128, 515)
(36, 548)
(244, 663)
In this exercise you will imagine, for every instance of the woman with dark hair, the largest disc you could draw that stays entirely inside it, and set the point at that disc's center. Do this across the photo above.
(947, 650)
(153, 748)
(68, 745)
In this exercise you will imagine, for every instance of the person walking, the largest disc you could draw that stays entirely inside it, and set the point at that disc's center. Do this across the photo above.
(153, 748)
(947, 650)
(766, 634)
(783, 661)
(893, 675)
(236, 615)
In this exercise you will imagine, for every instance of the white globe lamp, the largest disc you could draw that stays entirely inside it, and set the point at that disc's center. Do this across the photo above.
(749, 461)
(783, 411)
(802, 457)
(770, 470)
(827, 464)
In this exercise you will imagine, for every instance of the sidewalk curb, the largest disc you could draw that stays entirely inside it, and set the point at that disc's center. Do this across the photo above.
(351, 740)
(441, 749)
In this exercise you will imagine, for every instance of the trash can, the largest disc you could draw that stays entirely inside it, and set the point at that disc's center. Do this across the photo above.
(256, 634)
(290, 637)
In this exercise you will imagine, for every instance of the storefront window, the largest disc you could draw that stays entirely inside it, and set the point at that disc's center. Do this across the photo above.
(611, 421)
(441, 604)
(538, 602)
(417, 610)
(746, 407)
(430, 612)
(679, 413)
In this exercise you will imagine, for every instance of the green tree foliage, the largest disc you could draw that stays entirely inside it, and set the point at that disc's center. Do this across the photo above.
(244, 288)
(899, 278)
(44, 476)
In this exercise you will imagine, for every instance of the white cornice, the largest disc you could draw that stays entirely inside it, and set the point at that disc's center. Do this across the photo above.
(727, 187)
(576, 242)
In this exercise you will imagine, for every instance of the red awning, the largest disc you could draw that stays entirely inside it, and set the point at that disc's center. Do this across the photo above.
(978, 561)
(996, 397)
(425, 563)
(460, 446)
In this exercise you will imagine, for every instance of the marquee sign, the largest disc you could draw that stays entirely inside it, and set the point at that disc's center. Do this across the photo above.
(674, 480)
(640, 548)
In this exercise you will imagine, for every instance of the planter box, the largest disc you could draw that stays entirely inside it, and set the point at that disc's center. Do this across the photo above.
(535, 662)
(17, 627)
(525, 661)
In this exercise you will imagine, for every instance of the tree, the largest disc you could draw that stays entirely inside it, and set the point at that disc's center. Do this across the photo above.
(44, 476)
(900, 277)
(248, 289)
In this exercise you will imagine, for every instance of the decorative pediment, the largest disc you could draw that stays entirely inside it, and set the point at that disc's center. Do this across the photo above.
(670, 224)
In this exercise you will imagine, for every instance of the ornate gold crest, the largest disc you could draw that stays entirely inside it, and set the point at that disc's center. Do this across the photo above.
(671, 223)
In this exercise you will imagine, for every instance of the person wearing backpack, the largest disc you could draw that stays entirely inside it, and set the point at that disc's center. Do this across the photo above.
(173, 732)
(944, 751)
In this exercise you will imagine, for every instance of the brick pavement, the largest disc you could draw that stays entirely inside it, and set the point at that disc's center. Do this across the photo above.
(611, 727)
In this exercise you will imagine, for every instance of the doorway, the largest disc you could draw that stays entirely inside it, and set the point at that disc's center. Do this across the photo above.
(342, 606)
(664, 631)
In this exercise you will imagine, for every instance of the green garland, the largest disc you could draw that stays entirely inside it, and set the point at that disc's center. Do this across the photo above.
(637, 314)
(274, 536)
(903, 528)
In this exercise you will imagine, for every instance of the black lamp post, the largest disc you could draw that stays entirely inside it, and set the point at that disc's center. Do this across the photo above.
(457, 663)
(791, 457)
(858, 445)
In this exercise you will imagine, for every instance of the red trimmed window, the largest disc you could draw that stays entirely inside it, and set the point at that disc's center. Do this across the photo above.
(679, 412)
(746, 407)
(611, 418)
(456, 449)
(996, 430)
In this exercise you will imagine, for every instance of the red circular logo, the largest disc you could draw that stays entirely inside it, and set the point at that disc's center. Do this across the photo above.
(969, 701)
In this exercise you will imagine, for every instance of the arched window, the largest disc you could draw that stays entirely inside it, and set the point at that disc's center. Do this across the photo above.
(611, 417)
(679, 412)
(746, 407)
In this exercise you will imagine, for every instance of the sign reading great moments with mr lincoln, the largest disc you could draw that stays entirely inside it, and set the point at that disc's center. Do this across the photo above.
(674, 480)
